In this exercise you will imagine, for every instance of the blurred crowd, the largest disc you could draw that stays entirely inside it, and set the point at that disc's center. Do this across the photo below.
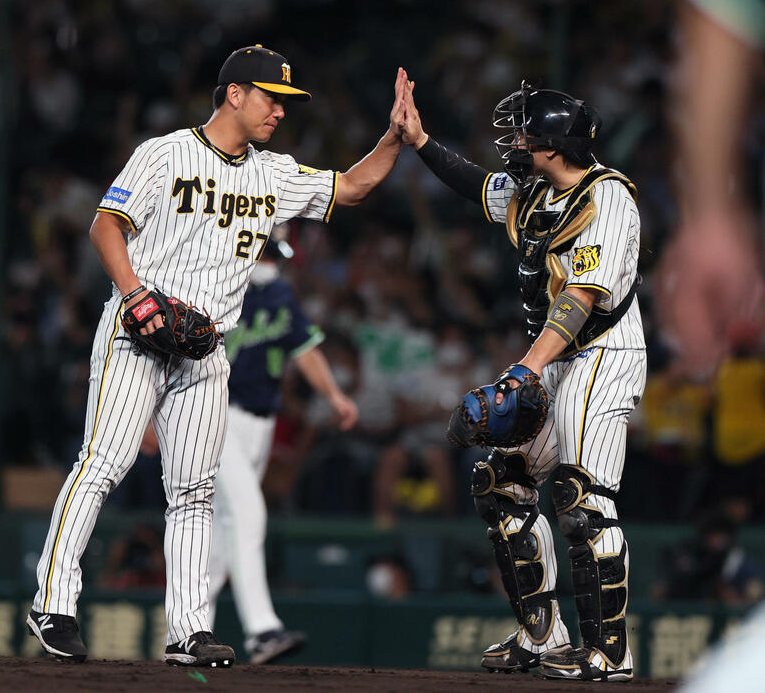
(415, 290)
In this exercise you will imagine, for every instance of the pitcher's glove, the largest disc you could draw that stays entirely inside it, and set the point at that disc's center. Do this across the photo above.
(479, 420)
(186, 332)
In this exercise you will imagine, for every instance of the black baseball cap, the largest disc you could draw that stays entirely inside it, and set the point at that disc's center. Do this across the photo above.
(263, 68)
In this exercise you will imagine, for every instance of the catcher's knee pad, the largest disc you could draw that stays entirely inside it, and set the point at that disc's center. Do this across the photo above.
(491, 480)
(579, 521)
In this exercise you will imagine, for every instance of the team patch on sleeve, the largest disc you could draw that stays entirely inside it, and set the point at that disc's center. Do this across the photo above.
(585, 259)
(118, 195)
(500, 182)
(307, 169)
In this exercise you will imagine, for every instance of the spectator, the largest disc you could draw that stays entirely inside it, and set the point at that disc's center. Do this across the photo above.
(712, 565)
(389, 577)
(135, 561)
(738, 431)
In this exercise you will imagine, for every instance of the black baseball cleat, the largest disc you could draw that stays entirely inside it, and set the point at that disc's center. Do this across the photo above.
(200, 649)
(585, 664)
(58, 634)
(269, 646)
(508, 656)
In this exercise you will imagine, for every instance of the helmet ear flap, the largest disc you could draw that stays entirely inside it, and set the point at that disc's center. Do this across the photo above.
(594, 119)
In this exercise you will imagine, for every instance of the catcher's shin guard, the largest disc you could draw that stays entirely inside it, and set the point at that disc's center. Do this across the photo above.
(517, 551)
(600, 580)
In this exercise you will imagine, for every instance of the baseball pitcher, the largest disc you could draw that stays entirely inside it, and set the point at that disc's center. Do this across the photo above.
(197, 207)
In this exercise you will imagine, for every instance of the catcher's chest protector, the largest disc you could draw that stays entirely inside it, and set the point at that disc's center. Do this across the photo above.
(542, 236)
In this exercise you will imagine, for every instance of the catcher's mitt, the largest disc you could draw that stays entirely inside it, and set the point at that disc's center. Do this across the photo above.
(186, 332)
(479, 420)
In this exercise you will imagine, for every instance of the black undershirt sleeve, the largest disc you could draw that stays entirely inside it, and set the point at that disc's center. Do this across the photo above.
(461, 175)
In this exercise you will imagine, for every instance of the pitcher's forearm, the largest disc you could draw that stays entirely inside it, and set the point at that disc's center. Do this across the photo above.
(359, 180)
(106, 236)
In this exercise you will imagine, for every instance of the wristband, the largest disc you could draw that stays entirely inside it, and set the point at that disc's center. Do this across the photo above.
(133, 293)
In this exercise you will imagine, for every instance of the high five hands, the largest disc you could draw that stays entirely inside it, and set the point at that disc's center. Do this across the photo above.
(404, 117)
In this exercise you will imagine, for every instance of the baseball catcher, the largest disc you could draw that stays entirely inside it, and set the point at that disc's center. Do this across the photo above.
(577, 229)
(185, 331)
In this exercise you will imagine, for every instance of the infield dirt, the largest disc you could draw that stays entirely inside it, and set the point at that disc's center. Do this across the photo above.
(119, 676)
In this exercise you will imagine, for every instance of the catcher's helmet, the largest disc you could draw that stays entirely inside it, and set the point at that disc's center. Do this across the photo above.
(544, 119)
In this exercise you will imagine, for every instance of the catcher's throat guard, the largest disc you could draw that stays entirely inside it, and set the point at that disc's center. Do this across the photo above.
(480, 420)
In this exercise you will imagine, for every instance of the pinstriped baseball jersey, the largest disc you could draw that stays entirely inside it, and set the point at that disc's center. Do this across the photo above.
(604, 255)
(200, 218)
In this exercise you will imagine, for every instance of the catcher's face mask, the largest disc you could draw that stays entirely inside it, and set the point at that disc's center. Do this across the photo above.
(513, 147)
(539, 119)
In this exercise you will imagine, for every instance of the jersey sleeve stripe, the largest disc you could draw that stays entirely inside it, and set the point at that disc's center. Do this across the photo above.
(584, 410)
(332, 198)
(578, 304)
(84, 464)
(119, 213)
(590, 286)
(313, 341)
(483, 197)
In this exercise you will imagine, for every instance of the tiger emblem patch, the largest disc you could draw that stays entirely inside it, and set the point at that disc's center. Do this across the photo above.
(585, 259)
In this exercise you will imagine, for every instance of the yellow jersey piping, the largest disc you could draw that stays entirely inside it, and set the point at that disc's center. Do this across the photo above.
(118, 213)
(226, 157)
(334, 196)
(84, 464)
(590, 286)
(567, 191)
(584, 412)
(483, 197)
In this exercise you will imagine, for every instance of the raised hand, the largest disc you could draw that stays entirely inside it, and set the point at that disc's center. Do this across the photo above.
(397, 113)
(411, 125)
(710, 287)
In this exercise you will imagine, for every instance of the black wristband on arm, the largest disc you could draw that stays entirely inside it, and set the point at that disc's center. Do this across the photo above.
(133, 293)
(461, 175)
